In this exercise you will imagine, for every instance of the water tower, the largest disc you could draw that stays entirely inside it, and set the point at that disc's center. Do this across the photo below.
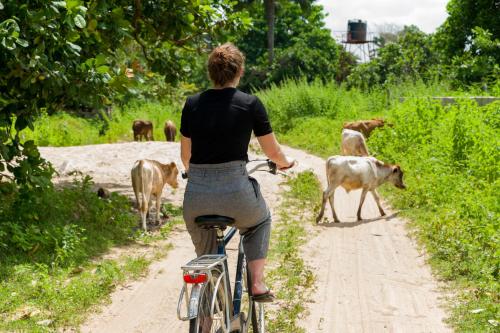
(356, 40)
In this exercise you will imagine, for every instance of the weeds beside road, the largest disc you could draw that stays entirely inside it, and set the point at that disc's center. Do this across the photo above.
(51, 267)
(451, 159)
(291, 278)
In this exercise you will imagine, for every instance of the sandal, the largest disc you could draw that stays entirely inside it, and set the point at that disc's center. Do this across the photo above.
(266, 297)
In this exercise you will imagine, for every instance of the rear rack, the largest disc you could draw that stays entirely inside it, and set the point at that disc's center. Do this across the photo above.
(205, 262)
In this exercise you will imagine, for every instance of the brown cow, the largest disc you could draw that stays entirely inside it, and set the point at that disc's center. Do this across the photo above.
(364, 126)
(170, 131)
(352, 173)
(148, 178)
(143, 129)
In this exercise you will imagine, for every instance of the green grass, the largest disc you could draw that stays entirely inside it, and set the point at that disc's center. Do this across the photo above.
(451, 159)
(291, 277)
(310, 116)
(52, 268)
(63, 129)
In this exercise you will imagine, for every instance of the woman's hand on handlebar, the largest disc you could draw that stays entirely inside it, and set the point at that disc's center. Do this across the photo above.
(291, 164)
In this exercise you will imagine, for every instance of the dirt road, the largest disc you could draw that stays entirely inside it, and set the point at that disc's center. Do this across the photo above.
(370, 276)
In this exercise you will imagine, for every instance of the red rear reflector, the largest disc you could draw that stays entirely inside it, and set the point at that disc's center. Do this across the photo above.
(195, 278)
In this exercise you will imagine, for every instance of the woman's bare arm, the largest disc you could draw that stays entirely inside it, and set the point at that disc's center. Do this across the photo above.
(273, 151)
(185, 151)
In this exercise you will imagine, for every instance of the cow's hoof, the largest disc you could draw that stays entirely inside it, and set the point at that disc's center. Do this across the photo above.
(336, 221)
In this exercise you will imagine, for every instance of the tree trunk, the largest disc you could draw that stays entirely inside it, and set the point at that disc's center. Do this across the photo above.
(270, 16)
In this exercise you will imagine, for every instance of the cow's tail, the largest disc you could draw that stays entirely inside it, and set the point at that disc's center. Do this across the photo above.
(144, 200)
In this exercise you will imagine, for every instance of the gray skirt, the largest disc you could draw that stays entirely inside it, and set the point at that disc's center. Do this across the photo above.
(226, 189)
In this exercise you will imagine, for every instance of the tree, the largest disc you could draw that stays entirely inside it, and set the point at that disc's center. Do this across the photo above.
(480, 63)
(455, 35)
(57, 54)
(468, 41)
(411, 57)
(302, 45)
(270, 17)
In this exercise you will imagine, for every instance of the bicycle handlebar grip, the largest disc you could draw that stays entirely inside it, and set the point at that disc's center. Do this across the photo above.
(273, 168)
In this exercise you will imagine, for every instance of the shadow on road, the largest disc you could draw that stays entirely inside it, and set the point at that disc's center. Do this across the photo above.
(357, 223)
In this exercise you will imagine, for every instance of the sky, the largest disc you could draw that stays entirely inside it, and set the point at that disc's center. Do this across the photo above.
(425, 14)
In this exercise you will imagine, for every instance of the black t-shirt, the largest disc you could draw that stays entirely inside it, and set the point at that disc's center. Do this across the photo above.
(220, 123)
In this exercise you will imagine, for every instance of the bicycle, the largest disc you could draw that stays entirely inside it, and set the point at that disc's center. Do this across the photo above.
(206, 292)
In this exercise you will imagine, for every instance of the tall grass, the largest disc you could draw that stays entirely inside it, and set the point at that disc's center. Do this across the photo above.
(63, 129)
(451, 156)
(451, 159)
(310, 116)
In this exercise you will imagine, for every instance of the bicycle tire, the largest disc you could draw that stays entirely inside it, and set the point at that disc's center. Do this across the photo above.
(203, 308)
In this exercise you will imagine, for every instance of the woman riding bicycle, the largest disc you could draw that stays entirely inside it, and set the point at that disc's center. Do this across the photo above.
(216, 126)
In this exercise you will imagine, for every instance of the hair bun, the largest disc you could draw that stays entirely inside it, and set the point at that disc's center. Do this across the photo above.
(225, 63)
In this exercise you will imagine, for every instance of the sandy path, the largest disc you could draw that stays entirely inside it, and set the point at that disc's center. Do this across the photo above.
(370, 277)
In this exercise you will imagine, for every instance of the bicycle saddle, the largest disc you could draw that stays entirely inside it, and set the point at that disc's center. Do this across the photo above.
(213, 221)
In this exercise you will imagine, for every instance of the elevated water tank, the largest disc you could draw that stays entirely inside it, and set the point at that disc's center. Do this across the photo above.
(356, 31)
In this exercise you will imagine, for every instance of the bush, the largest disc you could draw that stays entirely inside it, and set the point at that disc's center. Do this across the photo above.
(288, 103)
(451, 161)
(61, 227)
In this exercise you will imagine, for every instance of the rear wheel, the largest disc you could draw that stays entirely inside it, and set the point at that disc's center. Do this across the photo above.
(204, 322)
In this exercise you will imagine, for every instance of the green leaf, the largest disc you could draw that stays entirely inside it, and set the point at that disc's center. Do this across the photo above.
(75, 47)
(100, 59)
(8, 43)
(22, 42)
(92, 25)
(1, 6)
(71, 4)
(73, 36)
(83, 9)
(80, 21)
(102, 69)
(21, 123)
(61, 4)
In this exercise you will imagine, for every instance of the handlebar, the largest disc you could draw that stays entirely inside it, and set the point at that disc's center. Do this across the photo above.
(272, 167)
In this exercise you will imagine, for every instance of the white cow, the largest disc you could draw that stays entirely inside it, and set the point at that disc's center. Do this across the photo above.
(148, 178)
(352, 173)
(353, 143)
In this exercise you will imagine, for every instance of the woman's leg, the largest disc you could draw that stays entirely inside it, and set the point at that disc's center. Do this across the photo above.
(256, 268)
(256, 244)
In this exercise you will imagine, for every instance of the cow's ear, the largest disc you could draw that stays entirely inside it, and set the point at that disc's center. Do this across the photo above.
(395, 169)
